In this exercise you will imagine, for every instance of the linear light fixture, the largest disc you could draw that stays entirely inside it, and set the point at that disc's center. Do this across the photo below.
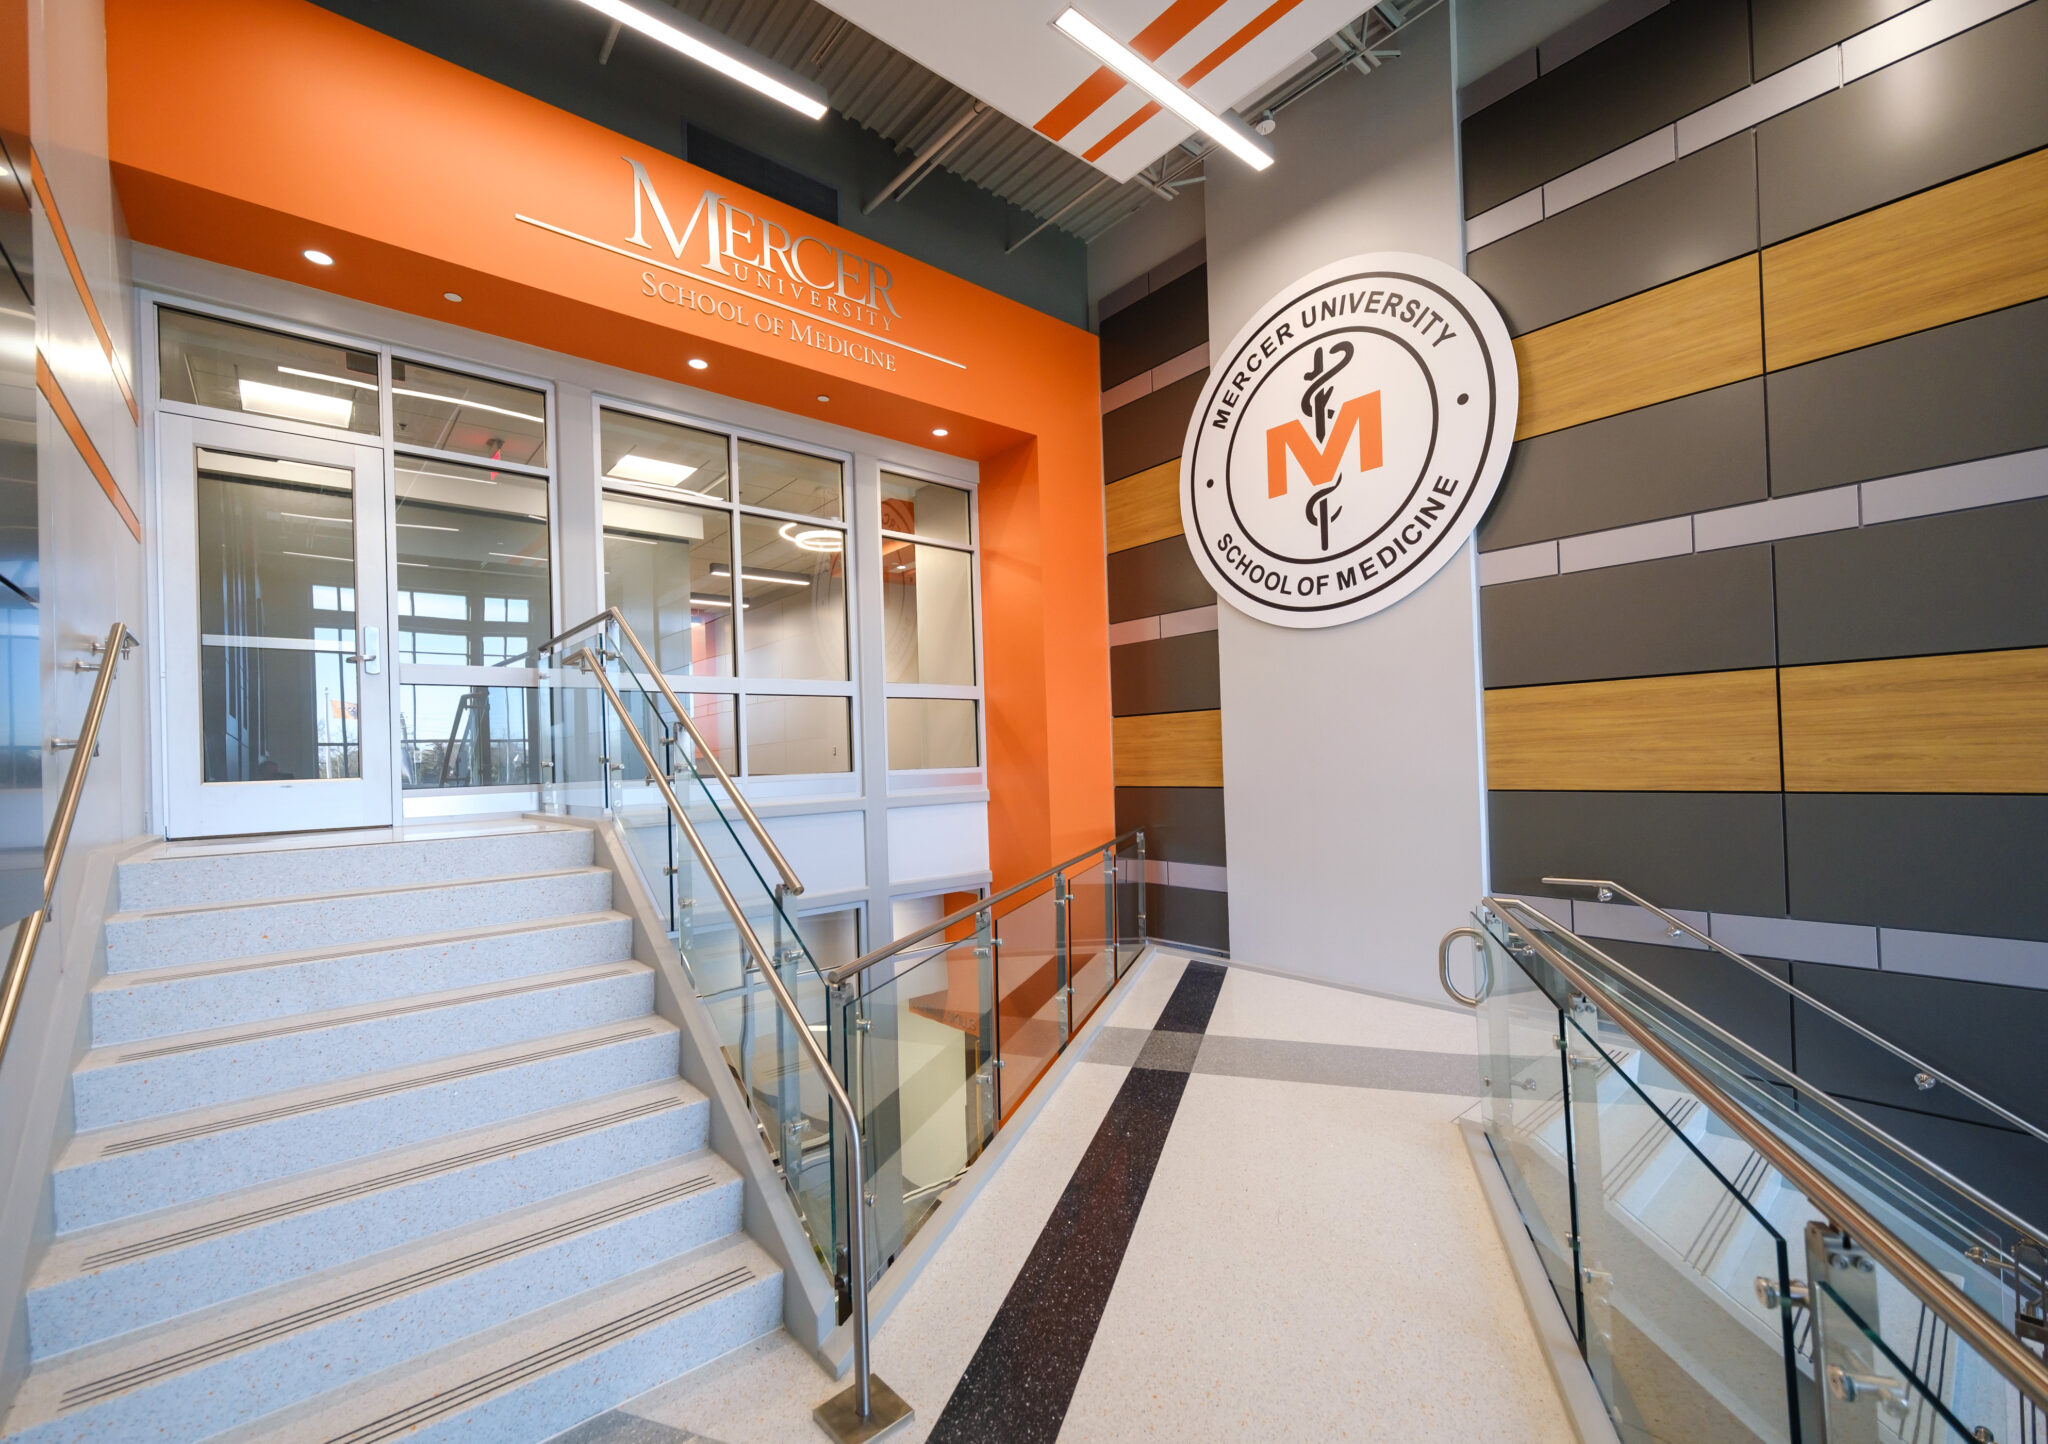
(702, 46)
(466, 402)
(295, 405)
(1227, 131)
(325, 376)
(719, 569)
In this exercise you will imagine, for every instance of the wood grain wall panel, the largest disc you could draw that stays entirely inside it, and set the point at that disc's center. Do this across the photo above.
(1706, 732)
(1691, 335)
(1169, 749)
(1144, 508)
(1977, 722)
(1974, 245)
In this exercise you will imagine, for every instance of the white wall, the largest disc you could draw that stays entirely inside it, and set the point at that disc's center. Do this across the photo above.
(1351, 755)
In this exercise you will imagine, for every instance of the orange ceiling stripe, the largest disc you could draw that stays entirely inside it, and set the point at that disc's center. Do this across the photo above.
(1253, 30)
(92, 310)
(1109, 142)
(1167, 30)
(67, 417)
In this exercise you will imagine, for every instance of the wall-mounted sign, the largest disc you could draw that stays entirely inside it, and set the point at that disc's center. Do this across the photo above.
(748, 269)
(1349, 440)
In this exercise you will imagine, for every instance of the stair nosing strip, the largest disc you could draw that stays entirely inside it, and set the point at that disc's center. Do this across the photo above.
(450, 999)
(447, 1401)
(198, 1233)
(314, 1105)
(289, 899)
(94, 1391)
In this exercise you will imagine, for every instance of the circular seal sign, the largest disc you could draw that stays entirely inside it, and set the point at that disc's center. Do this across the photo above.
(1349, 440)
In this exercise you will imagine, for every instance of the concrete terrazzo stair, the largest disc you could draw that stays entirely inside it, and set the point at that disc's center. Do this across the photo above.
(379, 1138)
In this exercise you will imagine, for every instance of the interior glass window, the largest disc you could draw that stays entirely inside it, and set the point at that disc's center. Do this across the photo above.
(793, 585)
(204, 361)
(473, 563)
(928, 610)
(448, 411)
(924, 508)
(646, 452)
(668, 567)
(791, 481)
(788, 735)
(932, 732)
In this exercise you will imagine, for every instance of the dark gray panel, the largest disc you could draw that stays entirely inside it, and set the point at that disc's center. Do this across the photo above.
(1699, 452)
(1708, 612)
(1686, 55)
(1943, 864)
(1954, 108)
(1782, 31)
(1980, 1034)
(1150, 430)
(2009, 1167)
(1934, 398)
(1155, 578)
(1727, 993)
(1171, 674)
(1182, 824)
(1967, 581)
(1676, 220)
(1159, 327)
(1722, 851)
(1188, 915)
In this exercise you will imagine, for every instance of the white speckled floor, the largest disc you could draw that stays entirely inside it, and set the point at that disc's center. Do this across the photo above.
(1313, 1260)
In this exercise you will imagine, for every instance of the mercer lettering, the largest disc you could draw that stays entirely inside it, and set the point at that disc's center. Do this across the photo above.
(707, 205)
(1360, 415)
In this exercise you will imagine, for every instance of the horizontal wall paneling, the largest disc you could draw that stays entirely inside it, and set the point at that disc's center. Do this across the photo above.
(1704, 732)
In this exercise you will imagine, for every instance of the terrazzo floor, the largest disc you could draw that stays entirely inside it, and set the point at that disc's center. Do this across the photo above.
(1277, 1235)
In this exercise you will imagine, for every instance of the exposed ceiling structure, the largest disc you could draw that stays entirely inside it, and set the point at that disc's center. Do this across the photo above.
(938, 125)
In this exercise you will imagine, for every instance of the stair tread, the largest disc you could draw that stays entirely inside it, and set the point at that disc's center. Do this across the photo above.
(143, 1235)
(294, 899)
(150, 1355)
(116, 1054)
(124, 1138)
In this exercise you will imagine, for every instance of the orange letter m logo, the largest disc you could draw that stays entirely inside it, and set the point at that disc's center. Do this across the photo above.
(1361, 414)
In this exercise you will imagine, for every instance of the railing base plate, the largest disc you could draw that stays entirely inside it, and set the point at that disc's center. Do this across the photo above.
(839, 1416)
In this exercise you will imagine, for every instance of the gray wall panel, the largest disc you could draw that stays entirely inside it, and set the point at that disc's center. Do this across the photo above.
(1956, 107)
(1676, 220)
(1717, 850)
(1944, 864)
(1169, 674)
(1155, 578)
(1188, 915)
(1693, 454)
(1783, 31)
(1980, 1034)
(1955, 393)
(1149, 430)
(1156, 328)
(1708, 612)
(1182, 824)
(1968, 581)
(1747, 1006)
(2009, 1167)
(1684, 56)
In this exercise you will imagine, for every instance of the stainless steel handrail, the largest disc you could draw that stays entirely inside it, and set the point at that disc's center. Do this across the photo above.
(889, 950)
(30, 931)
(1999, 1347)
(1482, 971)
(704, 749)
(856, 1169)
(1920, 1065)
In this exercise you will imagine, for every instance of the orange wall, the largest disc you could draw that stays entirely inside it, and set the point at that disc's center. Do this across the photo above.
(244, 131)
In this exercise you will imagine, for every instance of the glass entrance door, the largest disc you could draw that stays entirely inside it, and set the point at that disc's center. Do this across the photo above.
(278, 702)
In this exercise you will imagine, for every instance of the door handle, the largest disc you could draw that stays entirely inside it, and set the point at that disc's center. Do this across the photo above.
(368, 658)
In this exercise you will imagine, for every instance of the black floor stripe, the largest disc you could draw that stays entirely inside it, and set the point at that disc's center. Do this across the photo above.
(1022, 1377)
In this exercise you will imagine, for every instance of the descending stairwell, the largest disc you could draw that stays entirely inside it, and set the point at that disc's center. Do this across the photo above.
(379, 1139)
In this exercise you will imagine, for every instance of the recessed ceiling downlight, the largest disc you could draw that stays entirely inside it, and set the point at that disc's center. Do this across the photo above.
(318, 258)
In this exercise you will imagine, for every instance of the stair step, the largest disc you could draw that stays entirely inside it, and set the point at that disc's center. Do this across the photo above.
(139, 1167)
(160, 1002)
(248, 873)
(534, 1377)
(129, 1082)
(216, 932)
(96, 1283)
(251, 1358)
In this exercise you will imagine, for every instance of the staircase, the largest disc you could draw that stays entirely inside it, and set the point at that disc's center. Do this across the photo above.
(379, 1139)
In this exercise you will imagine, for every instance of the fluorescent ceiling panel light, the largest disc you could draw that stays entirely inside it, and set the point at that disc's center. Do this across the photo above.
(295, 405)
(701, 47)
(461, 401)
(1234, 136)
(650, 471)
(332, 380)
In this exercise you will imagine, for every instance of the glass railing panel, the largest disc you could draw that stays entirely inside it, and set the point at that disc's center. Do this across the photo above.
(1030, 1008)
(1671, 1243)
(1913, 1385)
(1130, 900)
(922, 1049)
(576, 727)
(1527, 1120)
(1091, 938)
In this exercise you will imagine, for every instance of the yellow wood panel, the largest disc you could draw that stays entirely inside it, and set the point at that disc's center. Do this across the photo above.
(1169, 749)
(1687, 336)
(1971, 723)
(1705, 732)
(1144, 508)
(1961, 249)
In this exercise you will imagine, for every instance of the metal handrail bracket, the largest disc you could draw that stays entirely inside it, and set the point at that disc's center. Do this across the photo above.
(29, 933)
(1999, 1347)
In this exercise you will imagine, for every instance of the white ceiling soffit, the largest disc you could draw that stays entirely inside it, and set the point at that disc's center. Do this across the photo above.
(1007, 53)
